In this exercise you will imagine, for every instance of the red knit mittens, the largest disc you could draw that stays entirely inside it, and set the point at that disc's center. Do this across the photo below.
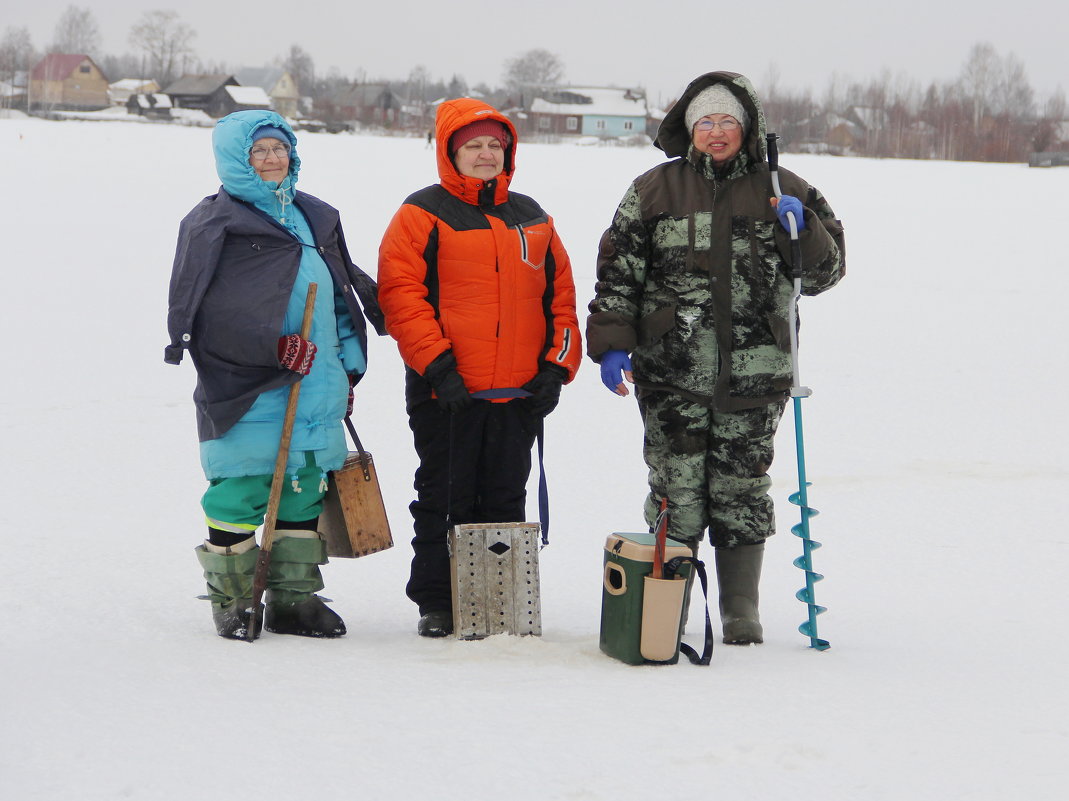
(296, 354)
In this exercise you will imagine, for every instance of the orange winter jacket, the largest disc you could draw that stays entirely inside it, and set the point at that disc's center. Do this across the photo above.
(469, 266)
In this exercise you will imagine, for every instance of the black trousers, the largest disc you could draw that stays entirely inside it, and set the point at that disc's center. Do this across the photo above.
(473, 468)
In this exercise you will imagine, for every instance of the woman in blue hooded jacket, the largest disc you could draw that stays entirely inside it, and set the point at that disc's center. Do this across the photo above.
(244, 260)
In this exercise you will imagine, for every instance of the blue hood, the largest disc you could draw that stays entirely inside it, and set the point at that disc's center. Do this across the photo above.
(231, 141)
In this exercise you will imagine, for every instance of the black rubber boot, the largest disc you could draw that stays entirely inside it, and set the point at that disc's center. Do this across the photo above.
(292, 580)
(738, 572)
(308, 618)
(438, 623)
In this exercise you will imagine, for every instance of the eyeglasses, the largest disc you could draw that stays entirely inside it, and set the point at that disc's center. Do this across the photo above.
(725, 125)
(259, 152)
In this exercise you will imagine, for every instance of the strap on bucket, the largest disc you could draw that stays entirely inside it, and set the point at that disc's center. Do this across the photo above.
(671, 567)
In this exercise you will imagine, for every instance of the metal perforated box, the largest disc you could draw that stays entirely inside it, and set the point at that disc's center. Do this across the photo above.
(494, 570)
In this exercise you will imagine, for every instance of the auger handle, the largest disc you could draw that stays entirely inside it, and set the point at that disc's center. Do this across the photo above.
(773, 154)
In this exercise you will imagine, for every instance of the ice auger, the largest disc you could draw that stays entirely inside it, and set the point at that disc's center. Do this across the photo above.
(800, 498)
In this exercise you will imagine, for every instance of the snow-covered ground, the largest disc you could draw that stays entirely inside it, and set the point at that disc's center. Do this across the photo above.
(936, 444)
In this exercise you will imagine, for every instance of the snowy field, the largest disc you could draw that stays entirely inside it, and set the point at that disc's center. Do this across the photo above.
(936, 443)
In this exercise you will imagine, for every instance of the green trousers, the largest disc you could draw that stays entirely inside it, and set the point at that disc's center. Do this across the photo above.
(712, 467)
(239, 504)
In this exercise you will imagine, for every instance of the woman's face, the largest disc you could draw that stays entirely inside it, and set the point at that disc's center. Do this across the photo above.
(482, 157)
(720, 144)
(270, 158)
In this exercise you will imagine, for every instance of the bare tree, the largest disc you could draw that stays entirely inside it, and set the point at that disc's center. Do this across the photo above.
(16, 52)
(128, 65)
(419, 78)
(16, 55)
(1055, 106)
(299, 64)
(1013, 94)
(458, 87)
(166, 41)
(979, 78)
(535, 69)
(76, 32)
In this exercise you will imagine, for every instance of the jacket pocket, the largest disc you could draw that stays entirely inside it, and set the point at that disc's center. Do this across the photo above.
(656, 324)
(781, 330)
(699, 241)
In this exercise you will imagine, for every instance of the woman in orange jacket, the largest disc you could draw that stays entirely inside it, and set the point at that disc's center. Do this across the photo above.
(477, 290)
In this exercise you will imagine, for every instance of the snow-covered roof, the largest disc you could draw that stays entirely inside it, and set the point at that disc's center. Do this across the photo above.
(131, 84)
(612, 102)
(153, 100)
(248, 95)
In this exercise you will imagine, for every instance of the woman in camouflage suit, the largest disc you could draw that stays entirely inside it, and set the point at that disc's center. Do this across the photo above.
(692, 306)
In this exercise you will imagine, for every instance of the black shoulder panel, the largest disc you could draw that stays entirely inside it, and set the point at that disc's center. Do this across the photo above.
(458, 215)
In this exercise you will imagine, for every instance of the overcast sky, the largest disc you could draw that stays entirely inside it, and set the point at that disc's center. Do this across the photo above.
(659, 44)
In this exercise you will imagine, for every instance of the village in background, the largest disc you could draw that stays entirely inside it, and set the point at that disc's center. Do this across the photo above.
(989, 113)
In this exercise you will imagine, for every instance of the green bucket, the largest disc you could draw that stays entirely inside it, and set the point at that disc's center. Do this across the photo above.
(628, 561)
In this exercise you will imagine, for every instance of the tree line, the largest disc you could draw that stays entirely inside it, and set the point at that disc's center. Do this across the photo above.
(989, 112)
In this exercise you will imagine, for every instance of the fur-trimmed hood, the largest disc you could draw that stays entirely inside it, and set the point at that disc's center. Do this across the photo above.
(674, 138)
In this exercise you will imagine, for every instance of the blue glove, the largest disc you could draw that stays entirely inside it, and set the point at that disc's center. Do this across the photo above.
(793, 205)
(613, 363)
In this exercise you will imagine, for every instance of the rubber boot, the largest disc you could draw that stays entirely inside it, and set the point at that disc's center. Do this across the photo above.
(738, 572)
(436, 623)
(229, 573)
(292, 581)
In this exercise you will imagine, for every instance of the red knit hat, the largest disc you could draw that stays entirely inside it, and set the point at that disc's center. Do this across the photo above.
(479, 128)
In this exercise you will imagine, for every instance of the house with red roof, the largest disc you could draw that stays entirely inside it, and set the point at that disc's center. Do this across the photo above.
(67, 82)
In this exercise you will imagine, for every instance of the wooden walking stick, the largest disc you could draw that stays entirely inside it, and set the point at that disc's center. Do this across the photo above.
(263, 561)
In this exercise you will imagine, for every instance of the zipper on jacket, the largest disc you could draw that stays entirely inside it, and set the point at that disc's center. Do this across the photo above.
(523, 242)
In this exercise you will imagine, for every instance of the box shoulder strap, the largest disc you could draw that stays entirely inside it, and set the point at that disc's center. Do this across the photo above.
(671, 567)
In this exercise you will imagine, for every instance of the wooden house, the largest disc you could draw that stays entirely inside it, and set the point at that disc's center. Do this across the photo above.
(589, 111)
(119, 92)
(215, 95)
(13, 92)
(153, 105)
(365, 103)
(67, 82)
(277, 83)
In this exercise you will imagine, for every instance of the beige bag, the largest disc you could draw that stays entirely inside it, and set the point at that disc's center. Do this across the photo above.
(353, 521)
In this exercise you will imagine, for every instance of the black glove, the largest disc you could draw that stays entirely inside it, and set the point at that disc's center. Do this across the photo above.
(545, 389)
(447, 383)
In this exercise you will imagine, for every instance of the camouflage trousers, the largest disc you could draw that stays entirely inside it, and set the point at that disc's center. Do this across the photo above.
(712, 466)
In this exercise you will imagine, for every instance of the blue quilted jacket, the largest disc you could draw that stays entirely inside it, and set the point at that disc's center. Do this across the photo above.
(244, 260)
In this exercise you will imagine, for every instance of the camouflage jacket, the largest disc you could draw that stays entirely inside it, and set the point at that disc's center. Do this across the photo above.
(694, 274)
